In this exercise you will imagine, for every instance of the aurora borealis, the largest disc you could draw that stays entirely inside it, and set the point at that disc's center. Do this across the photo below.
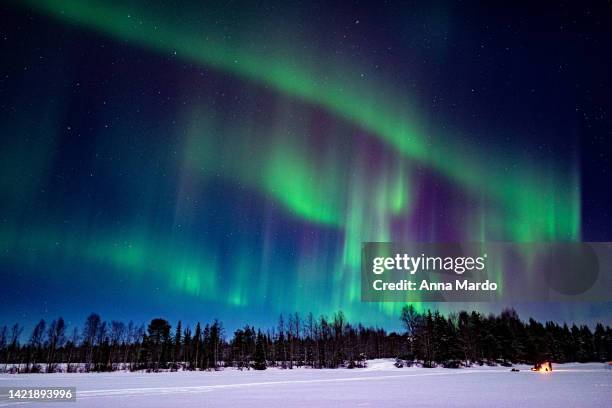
(229, 161)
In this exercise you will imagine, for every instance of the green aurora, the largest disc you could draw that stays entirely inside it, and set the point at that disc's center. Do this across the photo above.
(331, 185)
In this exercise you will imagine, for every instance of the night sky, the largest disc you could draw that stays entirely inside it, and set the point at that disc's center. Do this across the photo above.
(227, 160)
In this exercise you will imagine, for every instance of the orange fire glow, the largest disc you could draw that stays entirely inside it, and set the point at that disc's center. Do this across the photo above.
(545, 367)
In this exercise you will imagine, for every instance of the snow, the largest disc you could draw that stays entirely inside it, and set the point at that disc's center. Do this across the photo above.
(379, 385)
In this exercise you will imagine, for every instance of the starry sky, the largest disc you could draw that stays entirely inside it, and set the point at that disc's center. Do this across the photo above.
(228, 159)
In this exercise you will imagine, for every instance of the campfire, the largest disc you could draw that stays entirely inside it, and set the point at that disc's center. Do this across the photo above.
(543, 367)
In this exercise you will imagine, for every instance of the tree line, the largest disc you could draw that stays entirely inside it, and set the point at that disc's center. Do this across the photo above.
(471, 338)
(429, 339)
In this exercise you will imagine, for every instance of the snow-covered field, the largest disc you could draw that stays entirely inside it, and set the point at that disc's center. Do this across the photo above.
(379, 385)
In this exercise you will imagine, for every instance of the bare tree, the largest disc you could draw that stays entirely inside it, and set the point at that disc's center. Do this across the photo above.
(56, 335)
(36, 342)
(117, 333)
(410, 319)
(72, 344)
(13, 343)
(90, 334)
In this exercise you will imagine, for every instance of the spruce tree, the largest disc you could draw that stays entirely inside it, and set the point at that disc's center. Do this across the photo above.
(259, 357)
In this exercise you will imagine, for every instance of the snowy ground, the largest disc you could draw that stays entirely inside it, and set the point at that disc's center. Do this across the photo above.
(379, 385)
